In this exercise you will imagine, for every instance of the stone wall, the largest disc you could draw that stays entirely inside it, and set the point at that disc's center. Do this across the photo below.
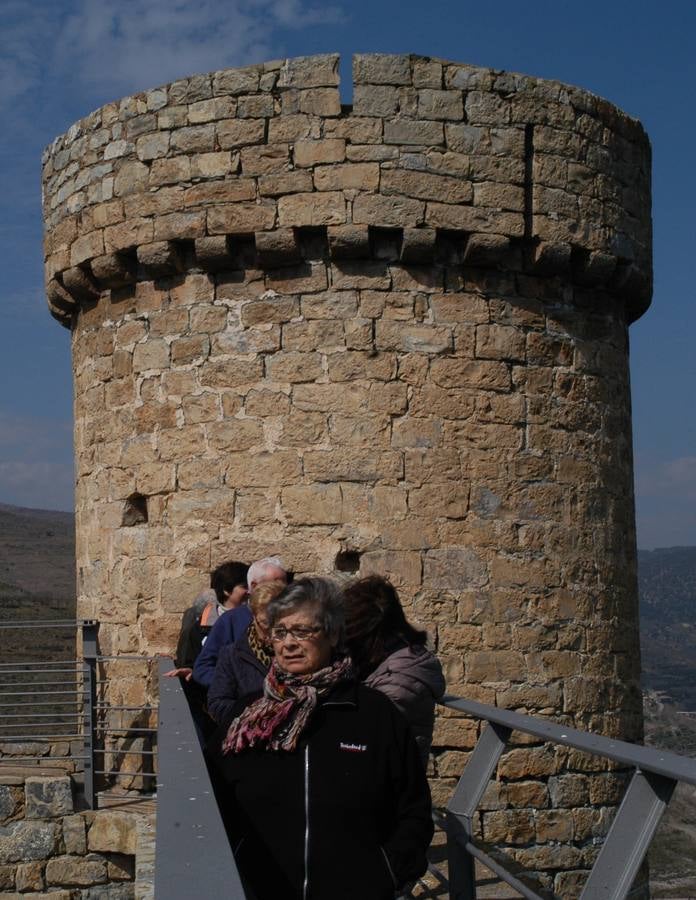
(47, 848)
(388, 338)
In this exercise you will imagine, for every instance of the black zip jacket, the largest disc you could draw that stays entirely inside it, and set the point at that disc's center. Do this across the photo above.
(345, 815)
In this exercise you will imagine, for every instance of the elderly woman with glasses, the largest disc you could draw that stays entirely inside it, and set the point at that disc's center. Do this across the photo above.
(322, 788)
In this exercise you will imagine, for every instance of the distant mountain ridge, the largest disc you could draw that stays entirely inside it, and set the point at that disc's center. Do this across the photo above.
(37, 561)
(667, 591)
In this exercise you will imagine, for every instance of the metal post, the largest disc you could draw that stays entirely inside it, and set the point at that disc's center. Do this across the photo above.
(629, 837)
(461, 808)
(90, 629)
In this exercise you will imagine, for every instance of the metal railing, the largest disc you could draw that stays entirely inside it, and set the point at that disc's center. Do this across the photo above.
(655, 774)
(192, 853)
(192, 850)
(57, 712)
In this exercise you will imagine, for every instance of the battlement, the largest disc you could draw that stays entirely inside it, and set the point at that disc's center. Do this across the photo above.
(436, 163)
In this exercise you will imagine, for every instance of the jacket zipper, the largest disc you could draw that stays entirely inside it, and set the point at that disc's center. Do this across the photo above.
(305, 886)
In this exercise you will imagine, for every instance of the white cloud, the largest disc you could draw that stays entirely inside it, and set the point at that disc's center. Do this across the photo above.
(118, 47)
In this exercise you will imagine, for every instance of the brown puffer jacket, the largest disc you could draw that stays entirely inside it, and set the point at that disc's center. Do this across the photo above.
(412, 679)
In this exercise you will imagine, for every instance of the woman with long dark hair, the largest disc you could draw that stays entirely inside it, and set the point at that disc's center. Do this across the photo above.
(390, 655)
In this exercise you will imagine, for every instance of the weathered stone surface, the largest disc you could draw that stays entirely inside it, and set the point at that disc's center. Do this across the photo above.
(75, 870)
(74, 835)
(46, 798)
(27, 841)
(8, 801)
(112, 832)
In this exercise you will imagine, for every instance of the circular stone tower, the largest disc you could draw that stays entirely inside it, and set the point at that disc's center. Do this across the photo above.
(391, 338)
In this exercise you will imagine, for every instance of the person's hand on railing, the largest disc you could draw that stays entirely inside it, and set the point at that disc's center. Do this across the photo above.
(184, 672)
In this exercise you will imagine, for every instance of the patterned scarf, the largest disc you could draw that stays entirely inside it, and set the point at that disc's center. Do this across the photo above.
(276, 720)
(263, 653)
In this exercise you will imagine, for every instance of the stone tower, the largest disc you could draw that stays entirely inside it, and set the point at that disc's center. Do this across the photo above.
(391, 337)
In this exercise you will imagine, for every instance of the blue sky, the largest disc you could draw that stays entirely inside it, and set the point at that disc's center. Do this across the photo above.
(61, 59)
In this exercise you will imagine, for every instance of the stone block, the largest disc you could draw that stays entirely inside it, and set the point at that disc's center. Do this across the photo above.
(394, 335)
(486, 249)
(395, 211)
(128, 234)
(352, 365)
(235, 133)
(439, 104)
(236, 81)
(7, 878)
(114, 270)
(160, 258)
(309, 71)
(25, 841)
(319, 152)
(268, 159)
(276, 469)
(9, 800)
(29, 877)
(500, 342)
(213, 253)
(77, 871)
(327, 208)
(452, 372)
(179, 226)
(305, 278)
(46, 798)
(381, 68)
(373, 100)
(80, 284)
(347, 176)
(241, 218)
(255, 106)
(214, 192)
(285, 183)
(401, 130)
(349, 241)
(112, 831)
(418, 245)
(324, 101)
(277, 248)
(402, 567)
(294, 367)
(313, 504)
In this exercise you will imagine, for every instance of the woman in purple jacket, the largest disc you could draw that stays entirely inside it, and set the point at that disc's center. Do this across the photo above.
(242, 667)
(390, 655)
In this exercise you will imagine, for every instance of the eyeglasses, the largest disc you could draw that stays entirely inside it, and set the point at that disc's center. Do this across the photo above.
(299, 632)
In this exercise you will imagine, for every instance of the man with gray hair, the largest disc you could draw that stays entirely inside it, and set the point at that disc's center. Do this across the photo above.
(232, 625)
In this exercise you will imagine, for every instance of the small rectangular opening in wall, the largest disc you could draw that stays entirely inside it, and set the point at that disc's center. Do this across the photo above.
(385, 243)
(313, 242)
(345, 83)
(242, 251)
(449, 247)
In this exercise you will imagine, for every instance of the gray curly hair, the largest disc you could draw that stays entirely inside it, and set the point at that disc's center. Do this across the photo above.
(322, 594)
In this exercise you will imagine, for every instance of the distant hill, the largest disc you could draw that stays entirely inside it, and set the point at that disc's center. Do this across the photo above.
(37, 563)
(667, 591)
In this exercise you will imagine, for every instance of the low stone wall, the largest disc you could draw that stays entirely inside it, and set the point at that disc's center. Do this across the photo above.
(48, 847)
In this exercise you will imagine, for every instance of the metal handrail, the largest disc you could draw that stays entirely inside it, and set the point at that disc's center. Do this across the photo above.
(38, 714)
(192, 851)
(655, 776)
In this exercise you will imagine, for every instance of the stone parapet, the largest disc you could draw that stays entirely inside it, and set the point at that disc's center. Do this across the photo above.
(169, 180)
(48, 845)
